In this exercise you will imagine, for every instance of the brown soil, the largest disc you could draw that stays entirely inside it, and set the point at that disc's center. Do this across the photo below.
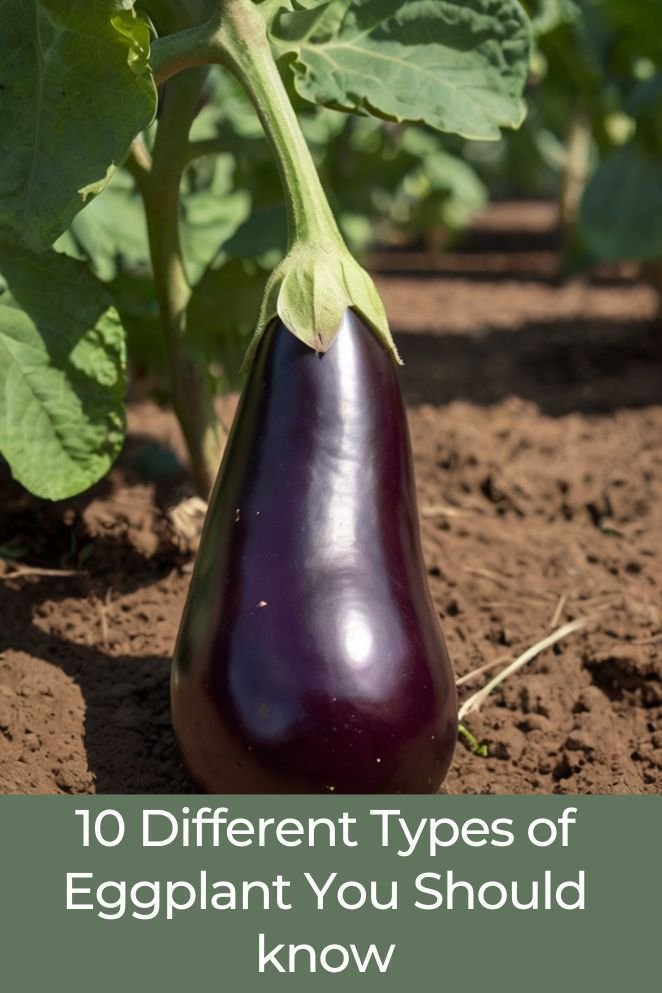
(537, 429)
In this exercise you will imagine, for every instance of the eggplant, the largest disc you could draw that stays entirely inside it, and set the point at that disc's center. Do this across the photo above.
(310, 657)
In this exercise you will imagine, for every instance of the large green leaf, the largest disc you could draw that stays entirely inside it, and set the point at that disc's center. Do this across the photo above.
(76, 89)
(62, 373)
(457, 66)
(621, 210)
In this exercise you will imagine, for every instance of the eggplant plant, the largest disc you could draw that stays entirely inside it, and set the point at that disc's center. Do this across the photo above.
(310, 656)
(592, 138)
(90, 167)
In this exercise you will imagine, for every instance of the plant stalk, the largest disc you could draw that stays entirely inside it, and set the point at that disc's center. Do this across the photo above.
(576, 173)
(182, 50)
(236, 37)
(160, 189)
(318, 279)
(247, 53)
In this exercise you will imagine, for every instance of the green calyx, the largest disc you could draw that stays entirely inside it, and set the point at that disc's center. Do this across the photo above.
(311, 289)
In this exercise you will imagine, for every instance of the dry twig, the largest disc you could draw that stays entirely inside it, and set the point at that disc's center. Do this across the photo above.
(560, 607)
(103, 619)
(504, 581)
(654, 640)
(469, 676)
(476, 700)
(444, 510)
(20, 571)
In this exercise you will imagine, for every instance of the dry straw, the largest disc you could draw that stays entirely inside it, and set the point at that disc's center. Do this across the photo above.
(476, 700)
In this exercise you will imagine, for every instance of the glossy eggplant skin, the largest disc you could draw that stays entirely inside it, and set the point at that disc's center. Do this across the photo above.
(310, 657)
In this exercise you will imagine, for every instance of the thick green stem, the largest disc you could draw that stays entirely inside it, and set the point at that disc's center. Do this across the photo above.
(236, 36)
(160, 190)
(318, 280)
(184, 50)
(247, 53)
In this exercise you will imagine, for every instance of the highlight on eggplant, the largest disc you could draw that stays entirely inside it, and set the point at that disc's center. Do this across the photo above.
(310, 656)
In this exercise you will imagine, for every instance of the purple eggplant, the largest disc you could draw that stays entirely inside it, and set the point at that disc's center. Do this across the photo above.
(310, 657)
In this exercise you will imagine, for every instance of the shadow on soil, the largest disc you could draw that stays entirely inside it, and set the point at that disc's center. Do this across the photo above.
(62, 539)
(128, 738)
(591, 367)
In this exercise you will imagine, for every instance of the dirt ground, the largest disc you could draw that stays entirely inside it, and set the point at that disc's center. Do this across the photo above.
(536, 415)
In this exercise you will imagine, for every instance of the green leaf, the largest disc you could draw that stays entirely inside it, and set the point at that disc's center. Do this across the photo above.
(174, 15)
(457, 66)
(75, 90)
(134, 296)
(111, 233)
(622, 206)
(310, 290)
(634, 29)
(445, 185)
(62, 373)
(13, 551)
(262, 234)
(221, 319)
(211, 211)
(225, 102)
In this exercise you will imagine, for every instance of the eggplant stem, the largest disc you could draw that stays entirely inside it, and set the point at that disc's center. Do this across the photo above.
(247, 53)
(318, 280)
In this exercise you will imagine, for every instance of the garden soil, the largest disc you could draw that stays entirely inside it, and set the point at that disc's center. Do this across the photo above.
(535, 406)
